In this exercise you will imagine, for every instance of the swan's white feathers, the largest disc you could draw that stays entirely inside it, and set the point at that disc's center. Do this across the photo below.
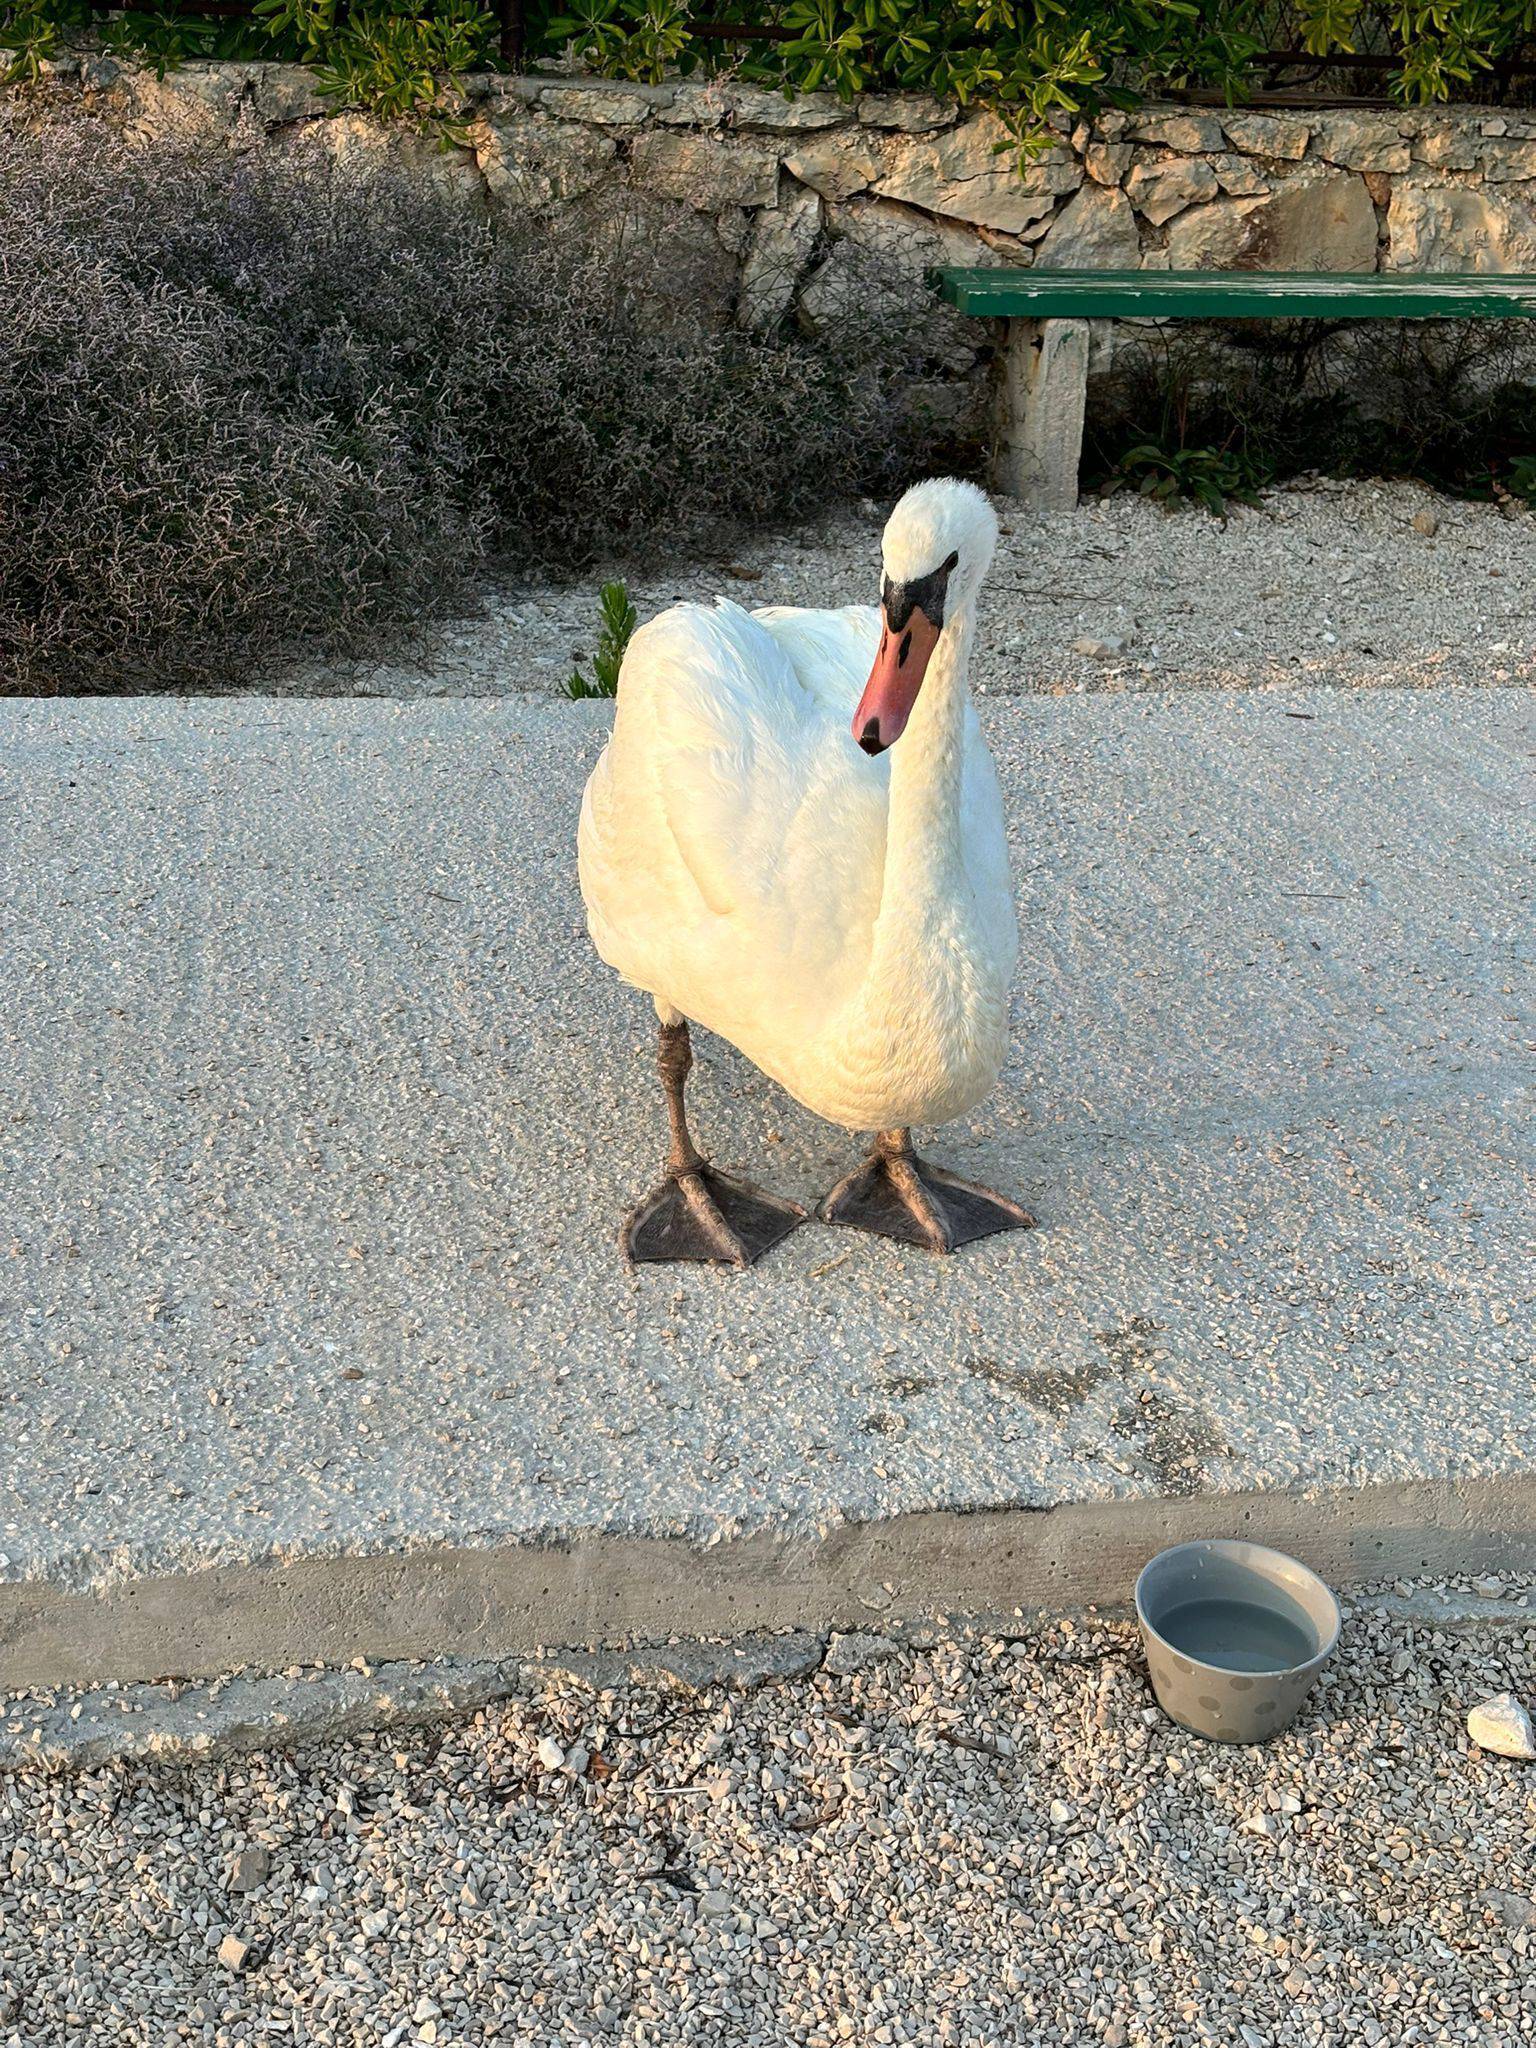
(739, 846)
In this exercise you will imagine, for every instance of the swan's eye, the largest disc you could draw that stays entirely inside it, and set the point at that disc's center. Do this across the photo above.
(924, 593)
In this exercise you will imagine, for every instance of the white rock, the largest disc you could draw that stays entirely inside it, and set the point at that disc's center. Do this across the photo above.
(551, 1755)
(1502, 1725)
(234, 1952)
(1456, 227)
(836, 166)
(847, 1655)
(1105, 647)
(1322, 222)
(532, 163)
(1188, 132)
(706, 171)
(778, 249)
(970, 173)
(1271, 135)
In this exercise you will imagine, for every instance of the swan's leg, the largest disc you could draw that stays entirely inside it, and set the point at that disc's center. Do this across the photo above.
(896, 1194)
(698, 1212)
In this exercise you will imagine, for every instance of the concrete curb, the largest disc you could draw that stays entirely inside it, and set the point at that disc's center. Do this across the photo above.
(175, 1724)
(507, 1601)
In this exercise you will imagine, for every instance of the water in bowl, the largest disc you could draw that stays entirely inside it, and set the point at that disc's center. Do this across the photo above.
(1237, 1635)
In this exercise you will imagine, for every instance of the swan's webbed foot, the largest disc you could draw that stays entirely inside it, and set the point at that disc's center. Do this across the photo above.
(707, 1216)
(896, 1194)
(697, 1212)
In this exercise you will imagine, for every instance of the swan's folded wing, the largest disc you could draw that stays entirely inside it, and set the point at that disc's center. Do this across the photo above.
(831, 652)
(769, 805)
(715, 708)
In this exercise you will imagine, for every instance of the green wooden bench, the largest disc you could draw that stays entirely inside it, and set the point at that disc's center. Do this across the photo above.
(1045, 357)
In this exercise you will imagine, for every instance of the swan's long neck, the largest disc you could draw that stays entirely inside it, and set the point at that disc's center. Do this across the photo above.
(924, 856)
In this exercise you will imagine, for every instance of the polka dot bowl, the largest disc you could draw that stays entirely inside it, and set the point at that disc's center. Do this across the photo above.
(1235, 1636)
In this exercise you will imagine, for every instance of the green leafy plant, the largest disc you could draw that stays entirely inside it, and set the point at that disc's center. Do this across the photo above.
(1212, 477)
(1033, 62)
(619, 620)
(403, 64)
(1520, 479)
(31, 32)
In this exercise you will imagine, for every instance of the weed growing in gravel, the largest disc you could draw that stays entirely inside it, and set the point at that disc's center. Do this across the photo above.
(619, 621)
(252, 405)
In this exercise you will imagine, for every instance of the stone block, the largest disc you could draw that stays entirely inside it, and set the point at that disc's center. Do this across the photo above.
(1160, 188)
(531, 162)
(1361, 142)
(609, 104)
(1505, 160)
(1272, 135)
(837, 166)
(1238, 176)
(1107, 162)
(706, 172)
(913, 113)
(1192, 134)
(1457, 227)
(779, 246)
(1095, 230)
(1307, 223)
(971, 173)
(879, 258)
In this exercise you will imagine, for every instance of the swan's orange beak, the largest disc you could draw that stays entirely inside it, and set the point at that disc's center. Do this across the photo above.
(901, 660)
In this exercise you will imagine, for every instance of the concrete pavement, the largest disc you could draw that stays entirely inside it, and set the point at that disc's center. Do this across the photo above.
(318, 1116)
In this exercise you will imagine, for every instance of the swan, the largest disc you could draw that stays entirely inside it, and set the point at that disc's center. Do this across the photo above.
(794, 838)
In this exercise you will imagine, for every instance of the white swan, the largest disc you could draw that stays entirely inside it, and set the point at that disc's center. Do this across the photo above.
(841, 913)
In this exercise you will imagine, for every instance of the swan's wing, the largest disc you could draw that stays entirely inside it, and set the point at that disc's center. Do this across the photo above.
(831, 652)
(732, 832)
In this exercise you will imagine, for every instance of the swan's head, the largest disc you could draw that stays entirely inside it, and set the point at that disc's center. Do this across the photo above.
(937, 547)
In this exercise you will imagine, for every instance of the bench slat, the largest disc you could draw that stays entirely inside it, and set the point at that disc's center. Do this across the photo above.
(1250, 294)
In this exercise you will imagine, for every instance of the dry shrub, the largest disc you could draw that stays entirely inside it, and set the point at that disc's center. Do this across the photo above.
(252, 404)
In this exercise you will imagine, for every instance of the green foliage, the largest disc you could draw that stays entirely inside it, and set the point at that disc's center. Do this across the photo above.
(619, 622)
(1520, 480)
(1028, 60)
(1211, 477)
(402, 64)
(31, 32)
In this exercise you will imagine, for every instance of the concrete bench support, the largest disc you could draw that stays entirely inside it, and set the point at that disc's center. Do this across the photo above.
(1043, 381)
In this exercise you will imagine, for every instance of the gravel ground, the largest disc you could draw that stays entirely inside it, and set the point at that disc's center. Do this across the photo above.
(1325, 583)
(961, 1837)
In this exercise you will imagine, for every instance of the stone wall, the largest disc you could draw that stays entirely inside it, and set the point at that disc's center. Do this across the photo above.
(772, 206)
